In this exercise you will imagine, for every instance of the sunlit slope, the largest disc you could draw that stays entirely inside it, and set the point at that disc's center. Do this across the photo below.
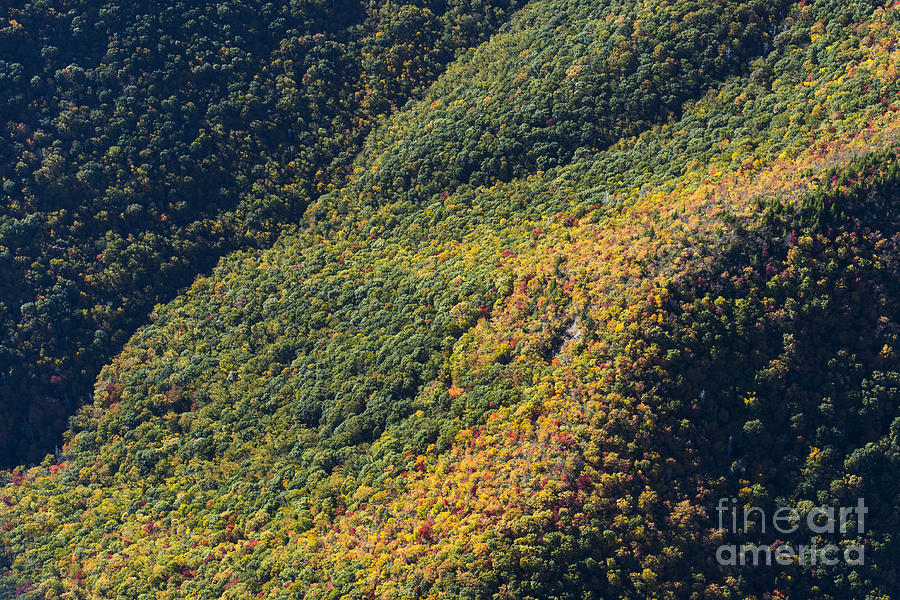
(496, 391)
(562, 76)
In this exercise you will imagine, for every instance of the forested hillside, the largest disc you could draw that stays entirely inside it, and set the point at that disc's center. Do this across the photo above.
(143, 141)
(619, 261)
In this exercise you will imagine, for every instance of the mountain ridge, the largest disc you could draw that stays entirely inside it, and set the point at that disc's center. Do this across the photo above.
(390, 402)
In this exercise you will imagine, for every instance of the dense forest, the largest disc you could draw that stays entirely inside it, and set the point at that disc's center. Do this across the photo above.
(471, 300)
(141, 143)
